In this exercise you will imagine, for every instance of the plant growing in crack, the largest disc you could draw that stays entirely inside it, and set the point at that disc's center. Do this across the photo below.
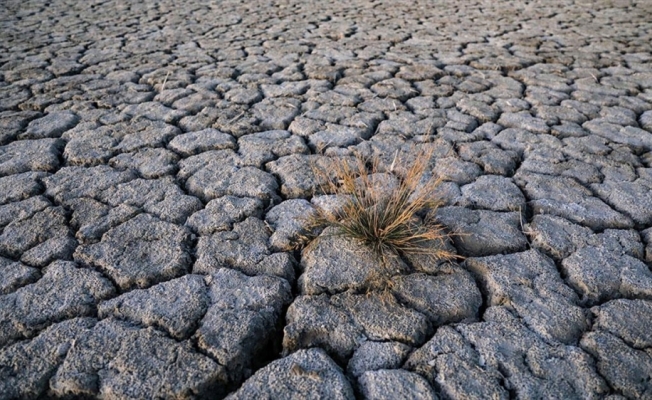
(388, 215)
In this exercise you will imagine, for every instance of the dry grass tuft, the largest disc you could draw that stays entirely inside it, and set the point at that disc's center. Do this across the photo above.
(385, 219)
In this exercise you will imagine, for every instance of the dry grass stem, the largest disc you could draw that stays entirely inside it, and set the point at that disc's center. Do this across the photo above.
(385, 219)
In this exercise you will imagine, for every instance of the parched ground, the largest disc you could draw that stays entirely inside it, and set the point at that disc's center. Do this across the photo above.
(157, 162)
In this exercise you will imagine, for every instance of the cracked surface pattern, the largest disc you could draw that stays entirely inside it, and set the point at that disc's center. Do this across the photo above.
(157, 163)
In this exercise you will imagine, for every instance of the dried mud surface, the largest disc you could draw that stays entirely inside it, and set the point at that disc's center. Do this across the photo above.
(157, 164)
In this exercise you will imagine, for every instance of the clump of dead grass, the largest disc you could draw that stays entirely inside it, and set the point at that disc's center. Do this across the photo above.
(386, 220)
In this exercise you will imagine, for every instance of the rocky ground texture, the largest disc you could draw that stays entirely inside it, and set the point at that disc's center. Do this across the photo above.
(157, 162)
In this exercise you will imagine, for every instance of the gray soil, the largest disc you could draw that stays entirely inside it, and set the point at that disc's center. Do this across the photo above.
(157, 164)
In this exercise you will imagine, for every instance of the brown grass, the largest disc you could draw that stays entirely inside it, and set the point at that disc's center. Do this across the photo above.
(386, 220)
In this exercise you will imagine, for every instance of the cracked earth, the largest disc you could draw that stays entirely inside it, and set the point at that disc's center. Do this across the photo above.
(157, 162)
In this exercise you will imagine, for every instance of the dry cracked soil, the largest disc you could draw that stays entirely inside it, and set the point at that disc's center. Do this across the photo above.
(157, 163)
